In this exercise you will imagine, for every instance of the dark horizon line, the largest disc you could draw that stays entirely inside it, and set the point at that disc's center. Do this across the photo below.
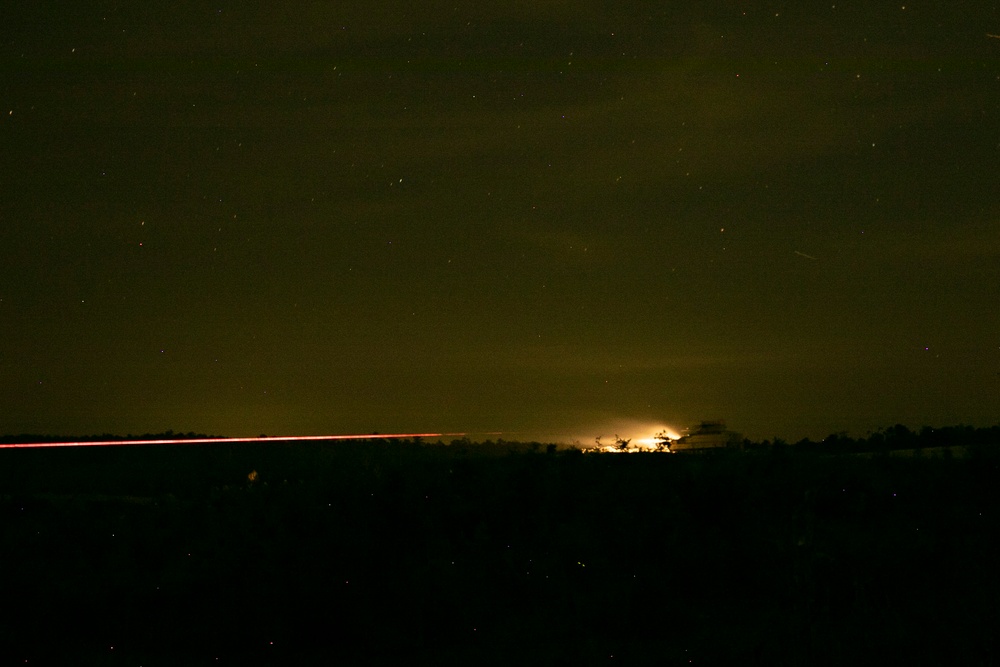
(169, 437)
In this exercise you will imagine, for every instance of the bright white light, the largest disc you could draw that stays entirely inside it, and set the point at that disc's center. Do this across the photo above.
(660, 433)
(639, 436)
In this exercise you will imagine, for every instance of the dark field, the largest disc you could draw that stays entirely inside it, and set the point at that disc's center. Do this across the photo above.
(393, 553)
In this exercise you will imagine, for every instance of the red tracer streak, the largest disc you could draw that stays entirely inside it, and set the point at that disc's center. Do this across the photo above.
(197, 441)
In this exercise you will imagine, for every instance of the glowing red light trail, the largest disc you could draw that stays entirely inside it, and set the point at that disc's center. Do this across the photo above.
(197, 441)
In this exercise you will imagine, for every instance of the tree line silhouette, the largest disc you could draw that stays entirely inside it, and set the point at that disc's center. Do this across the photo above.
(893, 438)
(490, 553)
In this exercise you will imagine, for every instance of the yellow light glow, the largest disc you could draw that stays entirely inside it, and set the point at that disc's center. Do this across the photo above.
(636, 436)
(661, 434)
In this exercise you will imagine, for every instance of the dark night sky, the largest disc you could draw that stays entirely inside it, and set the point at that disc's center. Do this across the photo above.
(542, 218)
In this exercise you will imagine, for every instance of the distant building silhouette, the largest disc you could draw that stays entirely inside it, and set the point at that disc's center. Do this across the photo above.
(707, 435)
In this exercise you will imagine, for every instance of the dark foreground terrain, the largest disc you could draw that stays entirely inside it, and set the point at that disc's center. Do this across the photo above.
(398, 553)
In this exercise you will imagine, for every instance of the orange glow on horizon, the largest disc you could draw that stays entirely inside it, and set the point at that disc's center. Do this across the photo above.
(195, 441)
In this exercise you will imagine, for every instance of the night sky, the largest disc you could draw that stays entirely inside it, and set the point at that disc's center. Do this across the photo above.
(547, 219)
